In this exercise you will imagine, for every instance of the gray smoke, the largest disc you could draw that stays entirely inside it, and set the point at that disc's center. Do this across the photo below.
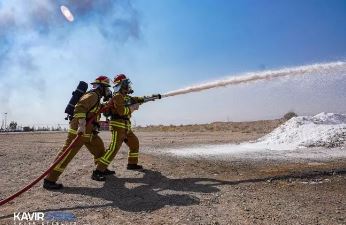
(115, 19)
(43, 16)
(27, 27)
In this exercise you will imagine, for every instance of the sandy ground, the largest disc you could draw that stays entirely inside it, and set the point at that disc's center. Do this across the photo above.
(176, 190)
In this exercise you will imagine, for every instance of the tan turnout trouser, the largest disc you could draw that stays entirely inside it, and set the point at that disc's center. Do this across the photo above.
(120, 135)
(91, 141)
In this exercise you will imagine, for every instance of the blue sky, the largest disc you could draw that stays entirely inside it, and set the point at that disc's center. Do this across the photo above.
(165, 45)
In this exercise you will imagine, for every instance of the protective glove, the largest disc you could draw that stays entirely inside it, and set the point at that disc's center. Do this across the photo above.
(134, 107)
(81, 126)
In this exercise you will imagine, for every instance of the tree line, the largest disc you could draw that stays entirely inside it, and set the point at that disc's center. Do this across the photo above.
(13, 127)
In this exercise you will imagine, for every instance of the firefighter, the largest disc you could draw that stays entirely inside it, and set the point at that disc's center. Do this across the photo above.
(122, 105)
(85, 109)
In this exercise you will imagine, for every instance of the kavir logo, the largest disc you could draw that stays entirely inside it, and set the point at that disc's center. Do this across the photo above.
(28, 216)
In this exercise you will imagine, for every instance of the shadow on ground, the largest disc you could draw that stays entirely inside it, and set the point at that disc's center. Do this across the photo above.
(148, 193)
(154, 191)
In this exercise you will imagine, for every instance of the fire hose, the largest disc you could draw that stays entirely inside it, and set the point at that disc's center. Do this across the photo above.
(56, 162)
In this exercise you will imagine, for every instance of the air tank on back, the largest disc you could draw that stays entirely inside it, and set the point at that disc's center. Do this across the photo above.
(76, 95)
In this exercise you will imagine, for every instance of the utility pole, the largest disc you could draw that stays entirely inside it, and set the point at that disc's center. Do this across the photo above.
(5, 121)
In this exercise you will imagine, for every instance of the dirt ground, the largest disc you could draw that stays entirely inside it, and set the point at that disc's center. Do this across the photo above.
(174, 190)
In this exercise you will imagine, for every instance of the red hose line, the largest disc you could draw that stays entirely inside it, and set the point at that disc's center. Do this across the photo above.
(61, 157)
(67, 150)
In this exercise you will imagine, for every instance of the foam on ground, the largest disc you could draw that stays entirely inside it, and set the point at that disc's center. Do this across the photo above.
(323, 132)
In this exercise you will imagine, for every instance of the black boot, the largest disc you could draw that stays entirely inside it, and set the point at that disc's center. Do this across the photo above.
(98, 176)
(51, 185)
(108, 172)
(134, 167)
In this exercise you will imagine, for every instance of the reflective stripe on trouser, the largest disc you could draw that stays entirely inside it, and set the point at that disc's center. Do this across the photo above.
(112, 150)
(133, 143)
(118, 137)
(92, 142)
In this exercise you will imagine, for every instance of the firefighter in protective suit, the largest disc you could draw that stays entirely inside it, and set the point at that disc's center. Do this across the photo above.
(85, 109)
(122, 105)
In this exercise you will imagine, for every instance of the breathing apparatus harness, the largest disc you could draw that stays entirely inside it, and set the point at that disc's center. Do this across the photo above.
(100, 82)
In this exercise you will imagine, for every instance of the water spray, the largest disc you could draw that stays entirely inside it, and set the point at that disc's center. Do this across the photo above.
(263, 76)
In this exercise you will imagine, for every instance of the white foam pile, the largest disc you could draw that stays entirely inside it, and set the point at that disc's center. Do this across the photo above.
(326, 130)
(321, 130)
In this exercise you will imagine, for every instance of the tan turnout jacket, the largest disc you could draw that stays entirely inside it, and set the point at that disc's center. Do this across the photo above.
(119, 109)
(85, 108)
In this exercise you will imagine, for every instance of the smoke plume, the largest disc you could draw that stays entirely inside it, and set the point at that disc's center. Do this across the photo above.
(22, 21)
(39, 47)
